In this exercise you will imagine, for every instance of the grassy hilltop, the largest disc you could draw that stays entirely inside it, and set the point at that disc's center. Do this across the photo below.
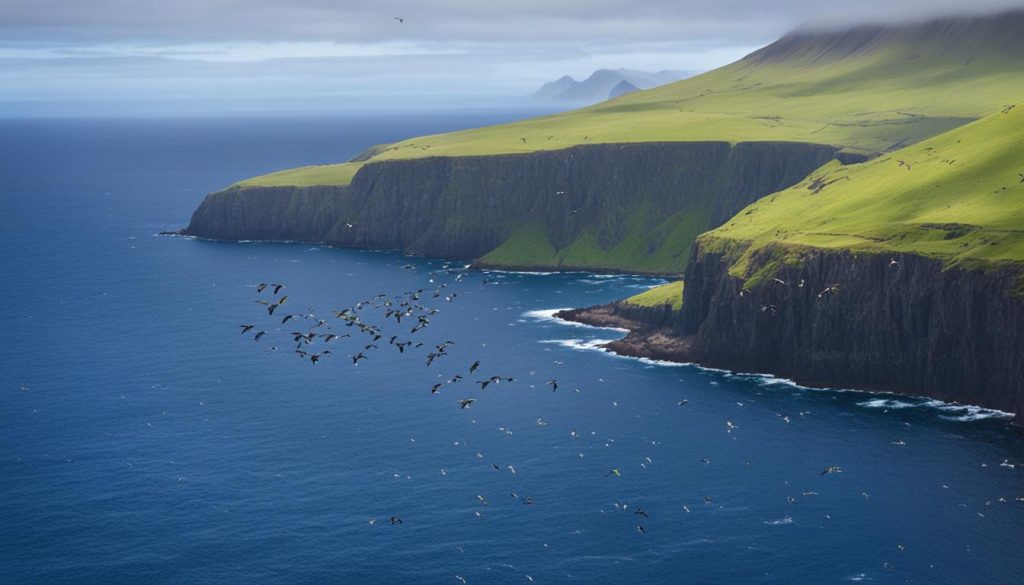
(958, 197)
(867, 90)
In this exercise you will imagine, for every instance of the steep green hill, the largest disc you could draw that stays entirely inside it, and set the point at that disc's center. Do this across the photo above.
(666, 294)
(867, 90)
(958, 197)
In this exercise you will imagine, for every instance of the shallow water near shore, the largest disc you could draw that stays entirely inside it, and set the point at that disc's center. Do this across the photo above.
(142, 439)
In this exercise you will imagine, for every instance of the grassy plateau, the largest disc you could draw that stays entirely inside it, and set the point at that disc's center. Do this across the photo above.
(868, 90)
(958, 197)
(666, 294)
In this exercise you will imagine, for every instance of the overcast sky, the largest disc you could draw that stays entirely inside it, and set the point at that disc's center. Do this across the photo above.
(165, 56)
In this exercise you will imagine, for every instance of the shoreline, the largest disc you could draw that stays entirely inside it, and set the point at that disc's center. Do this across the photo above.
(660, 343)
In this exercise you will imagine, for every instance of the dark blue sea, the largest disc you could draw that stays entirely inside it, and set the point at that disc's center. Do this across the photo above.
(143, 439)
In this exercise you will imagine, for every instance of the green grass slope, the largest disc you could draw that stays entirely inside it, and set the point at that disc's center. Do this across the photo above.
(311, 176)
(666, 294)
(958, 197)
(870, 89)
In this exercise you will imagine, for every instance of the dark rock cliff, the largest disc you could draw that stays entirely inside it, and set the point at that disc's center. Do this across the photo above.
(911, 327)
(465, 207)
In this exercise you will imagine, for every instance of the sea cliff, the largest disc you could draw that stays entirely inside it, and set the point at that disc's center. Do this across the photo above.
(903, 324)
(635, 207)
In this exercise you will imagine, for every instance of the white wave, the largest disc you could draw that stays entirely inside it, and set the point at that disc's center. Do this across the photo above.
(549, 315)
(586, 344)
(956, 412)
(858, 578)
(529, 272)
(889, 403)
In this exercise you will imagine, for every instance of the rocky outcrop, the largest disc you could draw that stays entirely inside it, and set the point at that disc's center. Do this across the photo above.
(464, 207)
(913, 327)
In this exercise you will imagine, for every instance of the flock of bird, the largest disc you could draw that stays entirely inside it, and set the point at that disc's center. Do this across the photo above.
(405, 317)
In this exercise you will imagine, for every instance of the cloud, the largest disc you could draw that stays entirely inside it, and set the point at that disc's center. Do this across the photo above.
(295, 54)
(372, 21)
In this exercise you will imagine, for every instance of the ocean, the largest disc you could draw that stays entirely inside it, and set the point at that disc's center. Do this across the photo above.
(143, 439)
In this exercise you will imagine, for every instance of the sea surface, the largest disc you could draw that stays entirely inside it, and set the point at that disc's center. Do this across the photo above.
(143, 439)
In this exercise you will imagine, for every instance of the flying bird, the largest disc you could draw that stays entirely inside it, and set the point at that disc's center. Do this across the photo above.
(399, 19)
(831, 469)
(465, 403)
(614, 472)
(831, 289)
(246, 328)
(553, 384)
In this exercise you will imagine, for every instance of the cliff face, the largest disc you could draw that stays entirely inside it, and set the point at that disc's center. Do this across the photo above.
(649, 199)
(911, 327)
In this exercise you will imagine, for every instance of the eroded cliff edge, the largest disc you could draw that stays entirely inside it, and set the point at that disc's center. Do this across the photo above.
(635, 207)
(897, 323)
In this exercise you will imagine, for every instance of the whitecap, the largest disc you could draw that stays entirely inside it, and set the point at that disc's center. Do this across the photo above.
(549, 315)
(587, 344)
(888, 403)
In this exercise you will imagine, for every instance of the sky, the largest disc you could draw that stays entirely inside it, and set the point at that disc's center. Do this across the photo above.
(106, 57)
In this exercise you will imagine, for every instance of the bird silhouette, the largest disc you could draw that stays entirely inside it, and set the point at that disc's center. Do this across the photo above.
(466, 402)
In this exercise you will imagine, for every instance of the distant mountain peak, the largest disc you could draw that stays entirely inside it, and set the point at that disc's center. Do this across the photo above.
(622, 88)
(603, 84)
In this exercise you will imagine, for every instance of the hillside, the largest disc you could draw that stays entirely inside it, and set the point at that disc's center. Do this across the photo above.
(901, 274)
(958, 197)
(866, 90)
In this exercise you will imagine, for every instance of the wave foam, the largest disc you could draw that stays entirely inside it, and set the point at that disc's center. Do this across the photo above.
(549, 316)
(954, 411)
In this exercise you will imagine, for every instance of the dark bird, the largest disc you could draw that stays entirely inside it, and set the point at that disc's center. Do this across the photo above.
(465, 403)
(357, 357)
(831, 469)
(399, 19)
(287, 318)
(640, 512)
(277, 287)
(394, 520)
(436, 387)
(246, 328)
(474, 367)
(1021, 175)
(640, 529)
(316, 356)
(614, 472)
(553, 384)
(483, 383)
(259, 334)
(261, 287)
(524, 140)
